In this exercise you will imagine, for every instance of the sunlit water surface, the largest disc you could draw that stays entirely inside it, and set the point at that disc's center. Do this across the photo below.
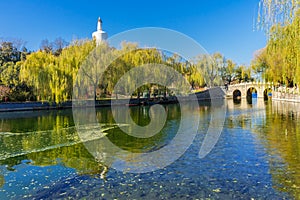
(257, 156)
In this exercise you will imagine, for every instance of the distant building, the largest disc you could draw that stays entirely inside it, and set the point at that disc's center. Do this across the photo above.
(99, 35)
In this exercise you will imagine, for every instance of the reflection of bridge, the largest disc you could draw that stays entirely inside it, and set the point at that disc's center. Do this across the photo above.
(242, 90)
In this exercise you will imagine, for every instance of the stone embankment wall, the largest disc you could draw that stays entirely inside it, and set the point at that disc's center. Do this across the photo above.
(212, 93)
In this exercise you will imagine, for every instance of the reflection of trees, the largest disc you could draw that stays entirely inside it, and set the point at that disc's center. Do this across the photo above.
(75, 156)
(280, 134)
(245, 114)
(53, 141)
(2, 181)
(140, 116)
(50, 138)
(46, 130)
(276, 125)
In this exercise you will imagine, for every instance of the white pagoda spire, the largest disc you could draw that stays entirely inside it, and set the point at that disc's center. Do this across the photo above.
(99, 25)
(99, 35)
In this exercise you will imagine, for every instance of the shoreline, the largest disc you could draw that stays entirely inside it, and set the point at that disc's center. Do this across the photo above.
(204, 96)
(216, 93)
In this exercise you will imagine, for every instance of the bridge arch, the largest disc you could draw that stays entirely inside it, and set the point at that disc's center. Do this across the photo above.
(252, 92)
(268, 93)
(237, 94)
(247, 88)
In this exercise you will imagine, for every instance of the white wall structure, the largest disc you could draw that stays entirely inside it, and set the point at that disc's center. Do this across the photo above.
(99, 35)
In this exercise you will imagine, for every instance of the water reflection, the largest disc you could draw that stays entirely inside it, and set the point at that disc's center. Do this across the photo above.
(277, 126)
(49, 138)
(258, 149)
(281, 135)
(246, 115)
(2, 181)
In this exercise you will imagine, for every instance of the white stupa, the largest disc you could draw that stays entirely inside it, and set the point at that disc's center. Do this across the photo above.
(99, 35)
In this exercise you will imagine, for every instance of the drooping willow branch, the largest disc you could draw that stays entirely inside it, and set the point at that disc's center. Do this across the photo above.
(273, 12)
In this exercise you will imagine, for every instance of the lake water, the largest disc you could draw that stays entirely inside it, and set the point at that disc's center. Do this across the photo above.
(257, 156)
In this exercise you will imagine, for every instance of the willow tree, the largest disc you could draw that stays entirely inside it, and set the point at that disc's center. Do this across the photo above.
(93, 68)
(53, 77)
(131, 56)
(229, 73)
(280, 59)
(195, 77)
(272, 12)
(211, 67)
(69, 62)
(35, 72)
(283, 50)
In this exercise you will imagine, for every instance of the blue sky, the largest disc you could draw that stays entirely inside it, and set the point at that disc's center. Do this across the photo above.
(223, 26)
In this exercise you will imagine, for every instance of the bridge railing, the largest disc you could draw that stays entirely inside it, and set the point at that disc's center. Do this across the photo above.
(254, 84)
(288, 90)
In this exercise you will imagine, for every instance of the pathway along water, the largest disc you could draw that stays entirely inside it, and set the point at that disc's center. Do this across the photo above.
(257, 156)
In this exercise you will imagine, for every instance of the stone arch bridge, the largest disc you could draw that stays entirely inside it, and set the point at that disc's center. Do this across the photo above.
(242, 90)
